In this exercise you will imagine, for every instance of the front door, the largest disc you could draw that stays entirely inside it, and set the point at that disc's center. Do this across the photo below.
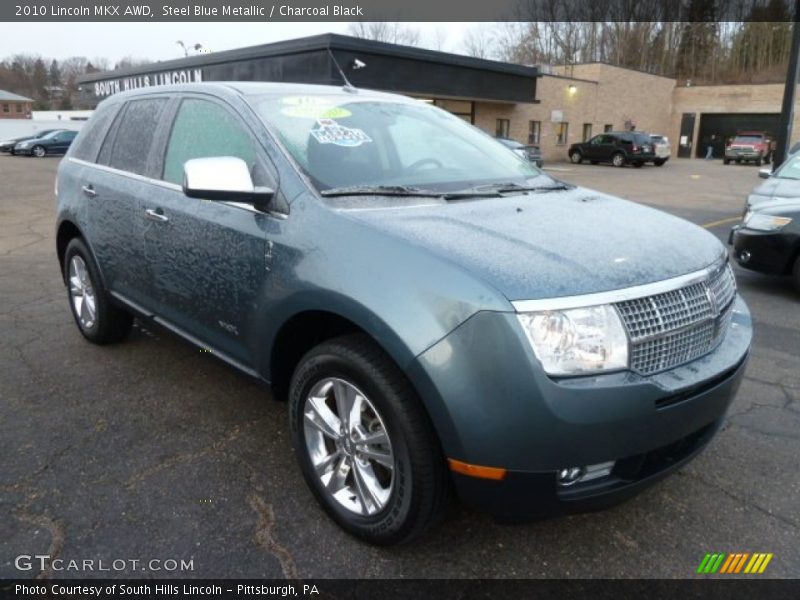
(207, 258)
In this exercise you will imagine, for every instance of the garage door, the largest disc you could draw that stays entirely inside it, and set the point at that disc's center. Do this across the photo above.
(724, 126)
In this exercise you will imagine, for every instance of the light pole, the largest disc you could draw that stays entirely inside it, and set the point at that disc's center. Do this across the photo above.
(787, 110)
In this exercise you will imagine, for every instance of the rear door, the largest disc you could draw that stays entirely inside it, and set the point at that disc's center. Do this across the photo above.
(115, 187)
(208, 259)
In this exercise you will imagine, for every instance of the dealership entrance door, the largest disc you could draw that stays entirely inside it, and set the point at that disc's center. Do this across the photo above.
(724, 126)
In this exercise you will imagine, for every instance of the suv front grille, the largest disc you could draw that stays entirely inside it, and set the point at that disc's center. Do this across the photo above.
(675, 327)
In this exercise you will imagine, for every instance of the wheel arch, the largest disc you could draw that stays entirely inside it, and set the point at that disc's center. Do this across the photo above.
(66, 232)
(315, 323)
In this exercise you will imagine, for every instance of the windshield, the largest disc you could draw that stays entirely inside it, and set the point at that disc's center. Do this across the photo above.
(790, 169)
(748, 139)
(50, 135)
(344, 142)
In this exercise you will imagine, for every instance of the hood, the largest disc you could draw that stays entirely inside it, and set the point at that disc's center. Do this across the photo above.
(775, 190)
(545, 245)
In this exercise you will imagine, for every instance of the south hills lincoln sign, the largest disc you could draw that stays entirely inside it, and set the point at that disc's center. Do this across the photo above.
(122, 84)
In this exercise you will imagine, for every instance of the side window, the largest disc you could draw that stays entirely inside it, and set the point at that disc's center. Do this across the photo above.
(94, 131)
(203, 129)
(134, 135)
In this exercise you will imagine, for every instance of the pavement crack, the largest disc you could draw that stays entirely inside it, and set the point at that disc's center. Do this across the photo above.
(265, 538)
(737, 498)
(56, 532)
(185, 457)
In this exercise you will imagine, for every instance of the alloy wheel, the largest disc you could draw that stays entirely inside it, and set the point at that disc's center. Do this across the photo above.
(349, 446)
(39, 151)
(81, 291)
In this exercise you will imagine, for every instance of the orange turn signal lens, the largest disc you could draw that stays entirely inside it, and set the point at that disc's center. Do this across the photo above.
(478, 471)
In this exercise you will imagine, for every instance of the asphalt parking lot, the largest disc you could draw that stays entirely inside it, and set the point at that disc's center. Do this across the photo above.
(151, 449)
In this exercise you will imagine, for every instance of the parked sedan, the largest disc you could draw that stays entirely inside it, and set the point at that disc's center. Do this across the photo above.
(768, 238)
(530, 152)
(8, 145)
(56, 142)
(620, 148)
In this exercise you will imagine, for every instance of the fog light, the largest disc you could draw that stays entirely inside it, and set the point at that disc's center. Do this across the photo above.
(573, 475)
(744, 256)
(569, 476)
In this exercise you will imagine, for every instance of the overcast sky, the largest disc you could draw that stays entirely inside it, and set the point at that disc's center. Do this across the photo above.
(156, 41)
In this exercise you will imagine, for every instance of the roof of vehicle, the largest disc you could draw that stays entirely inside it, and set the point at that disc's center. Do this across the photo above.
(259, 88)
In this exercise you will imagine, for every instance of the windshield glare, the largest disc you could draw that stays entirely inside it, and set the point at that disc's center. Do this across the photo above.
(342, 142)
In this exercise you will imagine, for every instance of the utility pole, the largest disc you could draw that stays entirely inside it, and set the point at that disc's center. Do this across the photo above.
(787, 110)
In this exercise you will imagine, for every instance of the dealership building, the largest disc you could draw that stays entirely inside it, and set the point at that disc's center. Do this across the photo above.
(552, 106)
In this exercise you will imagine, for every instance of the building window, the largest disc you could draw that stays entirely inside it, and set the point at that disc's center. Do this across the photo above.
(19, 107)
(534, 131)
(587, 131)
(562, 134)
(501, 128)
(6, 108)
(608, 127)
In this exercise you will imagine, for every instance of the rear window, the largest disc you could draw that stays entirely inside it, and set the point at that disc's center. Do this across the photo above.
(135, 133)
(640, 138)
(88, 143)
(658, 138)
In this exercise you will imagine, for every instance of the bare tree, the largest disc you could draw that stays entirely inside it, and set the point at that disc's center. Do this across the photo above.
(386, 31)
(479, 42)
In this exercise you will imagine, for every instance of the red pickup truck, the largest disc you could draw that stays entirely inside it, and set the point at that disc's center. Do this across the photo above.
(747, 146)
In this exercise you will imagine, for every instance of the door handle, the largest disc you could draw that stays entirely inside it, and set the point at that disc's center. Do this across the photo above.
(155, 214)
(89, 190)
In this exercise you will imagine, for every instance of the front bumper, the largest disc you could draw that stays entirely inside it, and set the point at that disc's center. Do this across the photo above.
(769, 252)
(23, 151)
(744, 154)
(493, 406)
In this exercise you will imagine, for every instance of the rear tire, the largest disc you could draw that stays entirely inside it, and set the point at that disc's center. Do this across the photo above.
(618, 160)
(726, 161)
(385, 500)
(576, 157)
(659, 162)
(97, 319)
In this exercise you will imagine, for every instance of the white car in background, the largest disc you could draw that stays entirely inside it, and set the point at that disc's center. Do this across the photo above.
(661, 148)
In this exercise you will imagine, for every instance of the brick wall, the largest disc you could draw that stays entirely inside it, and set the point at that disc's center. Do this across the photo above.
(602, 95)
(11, 109)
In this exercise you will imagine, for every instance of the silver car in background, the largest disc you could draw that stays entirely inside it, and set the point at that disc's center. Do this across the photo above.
(661, 148)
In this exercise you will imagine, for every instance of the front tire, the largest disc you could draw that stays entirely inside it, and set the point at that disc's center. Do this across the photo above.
(97, 319)
(576, 157)
(638, 164)
(38, 151)
(618, 160)
(364, 442)
(659, 162)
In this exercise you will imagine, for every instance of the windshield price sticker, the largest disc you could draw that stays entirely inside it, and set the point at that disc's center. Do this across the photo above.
(331, 132)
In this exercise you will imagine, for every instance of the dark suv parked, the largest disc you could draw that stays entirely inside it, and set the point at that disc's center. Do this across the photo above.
(438, 313)
(618, 148)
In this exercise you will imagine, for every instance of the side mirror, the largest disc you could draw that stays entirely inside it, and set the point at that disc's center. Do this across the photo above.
(223, 178)
(765, 173)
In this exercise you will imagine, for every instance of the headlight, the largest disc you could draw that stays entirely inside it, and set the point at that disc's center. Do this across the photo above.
(762, 222)
(23, 145)
(578, 340)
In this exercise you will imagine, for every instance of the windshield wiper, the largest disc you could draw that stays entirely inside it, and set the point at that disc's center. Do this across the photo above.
(495, 189)
(379, 190)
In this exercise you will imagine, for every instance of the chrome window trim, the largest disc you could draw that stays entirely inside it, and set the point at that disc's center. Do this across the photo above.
(170, 186)
(620, 295)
